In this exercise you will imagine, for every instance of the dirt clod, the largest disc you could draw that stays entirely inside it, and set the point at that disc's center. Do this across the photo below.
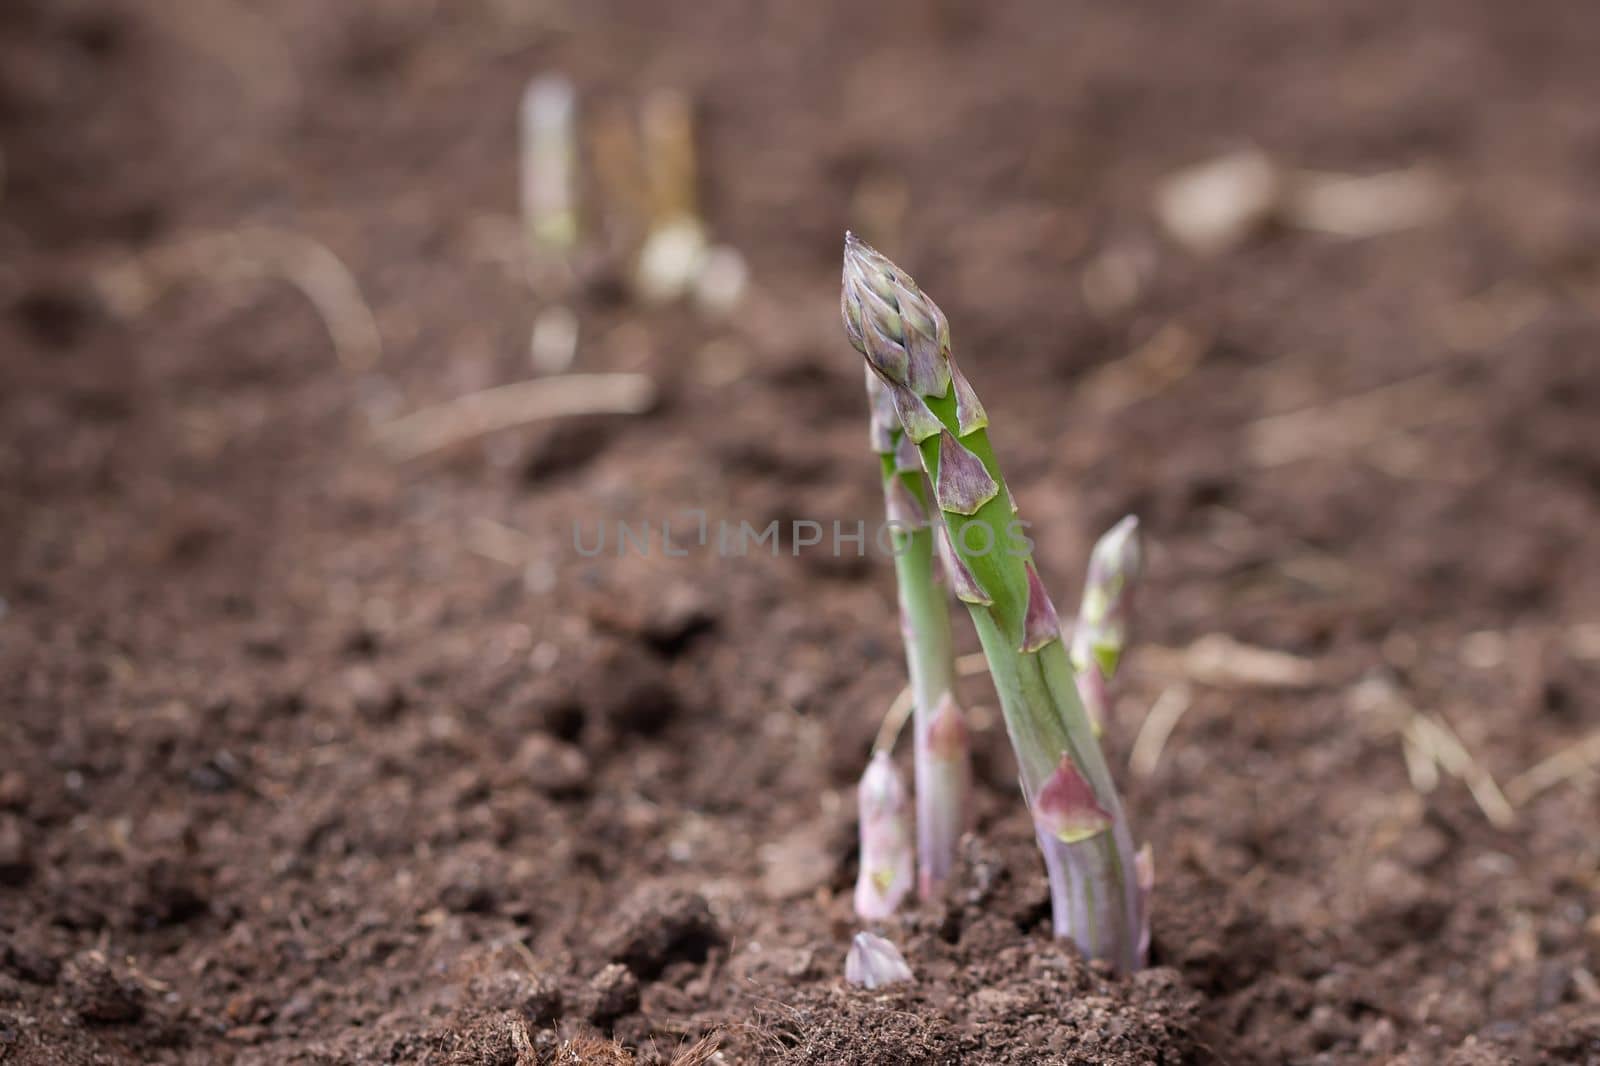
(659, 927)
(535, 998)
(613, 992)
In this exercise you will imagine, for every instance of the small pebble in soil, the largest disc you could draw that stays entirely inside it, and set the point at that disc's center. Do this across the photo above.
(614, 991)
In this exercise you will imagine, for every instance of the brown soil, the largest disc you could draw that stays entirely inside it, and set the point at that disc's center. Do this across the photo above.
(302, 759)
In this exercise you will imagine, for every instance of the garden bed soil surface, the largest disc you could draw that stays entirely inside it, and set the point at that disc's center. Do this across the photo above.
(310, 755)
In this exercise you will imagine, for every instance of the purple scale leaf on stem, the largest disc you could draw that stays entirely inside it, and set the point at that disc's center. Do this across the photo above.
(885, 421)
(963, 484)
(915, 418)
(907, 456)
(970, 414)
(903, 507)
(1040, 625)
(1066, 807)
(956, 572)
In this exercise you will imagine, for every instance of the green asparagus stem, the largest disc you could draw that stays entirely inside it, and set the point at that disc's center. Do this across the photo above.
(942, 761)
(1088, 849)
(1101, 632)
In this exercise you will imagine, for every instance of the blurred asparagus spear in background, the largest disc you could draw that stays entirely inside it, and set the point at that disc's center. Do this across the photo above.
(942, 759)
(1101, 632)
(886, 864)
(550, 167)
(675, 248)
(1088, 849)
(677, 257)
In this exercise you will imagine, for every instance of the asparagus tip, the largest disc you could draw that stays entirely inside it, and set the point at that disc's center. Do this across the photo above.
(874, 962)
(892, 322)
(1114, 565)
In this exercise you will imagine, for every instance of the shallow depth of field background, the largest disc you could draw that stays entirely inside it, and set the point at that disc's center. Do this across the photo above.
(320, 742)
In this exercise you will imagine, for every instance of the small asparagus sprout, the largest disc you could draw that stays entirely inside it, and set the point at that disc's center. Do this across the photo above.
(1144, 864)
(675, 250)
(886, 868)
(874, 962)
(942, 746)
(1088, 848)
(1101, 633)
(550, 166)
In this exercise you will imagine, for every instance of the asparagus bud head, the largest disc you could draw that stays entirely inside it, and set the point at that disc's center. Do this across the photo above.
(886, 851)
(902, 333)
(874, 962)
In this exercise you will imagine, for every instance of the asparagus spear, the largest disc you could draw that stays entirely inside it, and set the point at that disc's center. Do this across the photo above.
(549, 166)
(1078, 816)
(943, 773)
(1101, 632)
(885, 874)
